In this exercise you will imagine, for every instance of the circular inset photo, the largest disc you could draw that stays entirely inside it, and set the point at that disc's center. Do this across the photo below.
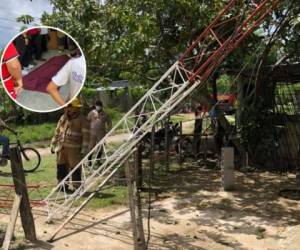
(43, 69)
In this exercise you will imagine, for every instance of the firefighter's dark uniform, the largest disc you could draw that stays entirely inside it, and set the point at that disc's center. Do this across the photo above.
(75, 145)
(73, 142)
(56, 146)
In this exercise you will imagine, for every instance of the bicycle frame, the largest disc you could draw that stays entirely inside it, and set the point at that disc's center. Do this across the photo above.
(19, 146)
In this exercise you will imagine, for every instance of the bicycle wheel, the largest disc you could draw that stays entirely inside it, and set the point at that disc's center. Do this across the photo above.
(31, 159)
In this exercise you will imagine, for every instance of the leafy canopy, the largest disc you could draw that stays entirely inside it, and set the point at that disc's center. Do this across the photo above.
(138, 40)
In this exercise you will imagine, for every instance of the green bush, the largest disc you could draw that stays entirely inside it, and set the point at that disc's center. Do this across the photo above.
(45, 131)
(114, 114)
(33, 133)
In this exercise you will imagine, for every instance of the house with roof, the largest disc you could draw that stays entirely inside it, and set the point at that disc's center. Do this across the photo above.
(117, 94)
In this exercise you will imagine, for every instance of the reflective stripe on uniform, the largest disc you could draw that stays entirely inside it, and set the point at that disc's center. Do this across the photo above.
(10, 58)
(7, 78)
(72, 133)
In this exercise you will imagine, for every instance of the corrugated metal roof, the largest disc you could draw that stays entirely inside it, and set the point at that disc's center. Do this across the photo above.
(118, 85)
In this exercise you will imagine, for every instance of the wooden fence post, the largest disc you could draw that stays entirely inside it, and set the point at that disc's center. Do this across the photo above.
(21, 189)
(135, 208)
(138, 161)
(12, 222)
(167, 144)
(152, 156)
(227, 165)
(180, 141)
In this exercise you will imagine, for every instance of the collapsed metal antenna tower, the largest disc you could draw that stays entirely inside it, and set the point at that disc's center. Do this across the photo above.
(190, 72)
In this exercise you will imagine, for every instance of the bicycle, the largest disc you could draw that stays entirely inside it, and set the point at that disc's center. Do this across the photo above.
(31, 158)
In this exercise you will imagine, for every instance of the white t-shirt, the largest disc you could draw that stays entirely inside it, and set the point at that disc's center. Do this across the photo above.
(72, 73)
(44, 31)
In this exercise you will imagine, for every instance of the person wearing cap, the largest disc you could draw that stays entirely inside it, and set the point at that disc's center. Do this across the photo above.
(100, 124)
(71, 73)
(71, 142)
(45, 39)
(11, 71)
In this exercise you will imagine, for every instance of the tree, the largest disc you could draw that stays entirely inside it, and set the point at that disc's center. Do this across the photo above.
(258, 121)
(130, 39)
(25, 19)
(138, 40)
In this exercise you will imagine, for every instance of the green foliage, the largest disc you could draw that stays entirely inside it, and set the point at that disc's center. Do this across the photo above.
(226, 84)
(114, 114)
(137, 93)
(25, 19)
(120, 92)
(88, 93)
(258, 132)
(132, 40)
(138, 40)
(296, 86)
(285, 98)
(5, 103)
(288, 40)
(33, 133)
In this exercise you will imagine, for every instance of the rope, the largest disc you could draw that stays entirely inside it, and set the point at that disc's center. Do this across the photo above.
(7, 203)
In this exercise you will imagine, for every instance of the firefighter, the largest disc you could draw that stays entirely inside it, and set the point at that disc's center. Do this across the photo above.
(56, 146)
(100, 124)
(71, 142)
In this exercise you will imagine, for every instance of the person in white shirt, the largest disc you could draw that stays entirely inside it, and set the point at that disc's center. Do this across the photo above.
(45, 38)
(72, 73)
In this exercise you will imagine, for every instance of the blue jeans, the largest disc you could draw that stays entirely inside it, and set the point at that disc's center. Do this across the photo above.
(4, 141)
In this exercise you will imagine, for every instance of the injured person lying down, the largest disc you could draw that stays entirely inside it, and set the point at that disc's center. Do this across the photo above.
(72, 73)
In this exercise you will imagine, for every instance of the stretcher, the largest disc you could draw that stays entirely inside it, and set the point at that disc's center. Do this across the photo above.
(38, 79)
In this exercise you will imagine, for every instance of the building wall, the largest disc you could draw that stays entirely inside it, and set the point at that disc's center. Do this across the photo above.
(112, 98)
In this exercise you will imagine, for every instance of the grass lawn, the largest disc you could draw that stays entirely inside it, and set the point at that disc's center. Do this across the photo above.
(45, 131)
(182, 117)
(46, 175)
(32, 133)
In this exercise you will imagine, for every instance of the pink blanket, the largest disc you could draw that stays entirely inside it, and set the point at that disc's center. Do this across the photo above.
(39, 78)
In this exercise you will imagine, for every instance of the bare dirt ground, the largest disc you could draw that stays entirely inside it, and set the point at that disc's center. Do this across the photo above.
(192, 212)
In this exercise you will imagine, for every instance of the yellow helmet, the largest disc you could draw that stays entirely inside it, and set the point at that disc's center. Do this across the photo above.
(75, 103)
